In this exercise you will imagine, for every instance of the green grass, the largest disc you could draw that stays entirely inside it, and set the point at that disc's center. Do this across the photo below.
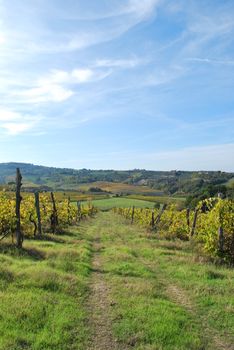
(120, 203)
(42, 293)
(230, 183)
(164, 297)
(179, 201)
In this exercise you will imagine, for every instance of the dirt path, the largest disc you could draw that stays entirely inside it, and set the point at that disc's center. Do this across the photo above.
(99, 308)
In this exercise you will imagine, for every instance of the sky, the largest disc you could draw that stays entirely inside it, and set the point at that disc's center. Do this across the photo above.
(118, 84)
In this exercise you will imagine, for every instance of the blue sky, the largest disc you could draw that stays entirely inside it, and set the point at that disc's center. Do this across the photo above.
(118, 83)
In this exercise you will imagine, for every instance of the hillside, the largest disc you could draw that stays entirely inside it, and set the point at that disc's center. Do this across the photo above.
(105, 285)
(168, 182)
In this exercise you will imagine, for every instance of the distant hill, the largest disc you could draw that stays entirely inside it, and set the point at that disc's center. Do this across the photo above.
(168, 182)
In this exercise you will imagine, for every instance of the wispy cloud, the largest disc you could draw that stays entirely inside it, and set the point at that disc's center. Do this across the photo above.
(119, 63)
(156, 70)
(58, 85)
(14, 123)
(45, 93)
(106, 10)
(110, 21)
(2, 39)
(211, 61)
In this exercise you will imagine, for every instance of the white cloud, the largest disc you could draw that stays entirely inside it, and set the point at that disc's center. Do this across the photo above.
(46, 93)
(118, 17)
(211, 61)
(76, 76)
(17, 128)
(212, 25)
(2, 39)
(14, 123)
(143, 8)
(118, 63)
(164, 76)
(82, 75)
(57, 86)
(7, 115)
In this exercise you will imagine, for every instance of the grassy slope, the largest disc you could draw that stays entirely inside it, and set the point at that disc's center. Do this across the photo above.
(162, 296)
(42, 293)
(230, 183)
(178, 201)
(120, 203)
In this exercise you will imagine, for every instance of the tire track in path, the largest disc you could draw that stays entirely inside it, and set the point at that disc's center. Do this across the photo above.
(99, 305)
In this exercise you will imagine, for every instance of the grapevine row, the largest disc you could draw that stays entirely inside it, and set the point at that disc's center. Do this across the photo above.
(211, 224)
(38, 214)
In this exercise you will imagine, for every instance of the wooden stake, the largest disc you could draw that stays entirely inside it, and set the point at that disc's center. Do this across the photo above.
(160, 214)
(194, 222)
(37, 205)
(152, 219)
(34, 223)
(78, 211)
(19, 235)
(188, 218)
(54, 215)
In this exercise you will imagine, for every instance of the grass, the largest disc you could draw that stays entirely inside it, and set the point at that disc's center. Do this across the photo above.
(230, 183)
(163, 295)
(42, 293)
(179, 201)
(120, 202)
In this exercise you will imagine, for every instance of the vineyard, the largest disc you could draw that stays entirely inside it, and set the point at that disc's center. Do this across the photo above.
(37, 214)
(211, 224)
(84, 284)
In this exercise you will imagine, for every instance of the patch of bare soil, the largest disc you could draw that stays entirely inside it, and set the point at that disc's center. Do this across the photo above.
(179, 296)
(99, 310)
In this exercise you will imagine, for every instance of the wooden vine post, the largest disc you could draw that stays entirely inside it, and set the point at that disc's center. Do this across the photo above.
(19, 235)
(54, 215)
(37, 205)
(160, 214)
(31, 219)
(152, 223)
(188, 218)
(78, 211)
(194, 222)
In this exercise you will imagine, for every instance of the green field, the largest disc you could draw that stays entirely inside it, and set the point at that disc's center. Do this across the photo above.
(108, 284)
(120, 203)
(230, 183)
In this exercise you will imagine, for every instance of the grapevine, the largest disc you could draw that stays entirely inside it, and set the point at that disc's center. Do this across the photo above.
(214, 227)
(67, 214)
